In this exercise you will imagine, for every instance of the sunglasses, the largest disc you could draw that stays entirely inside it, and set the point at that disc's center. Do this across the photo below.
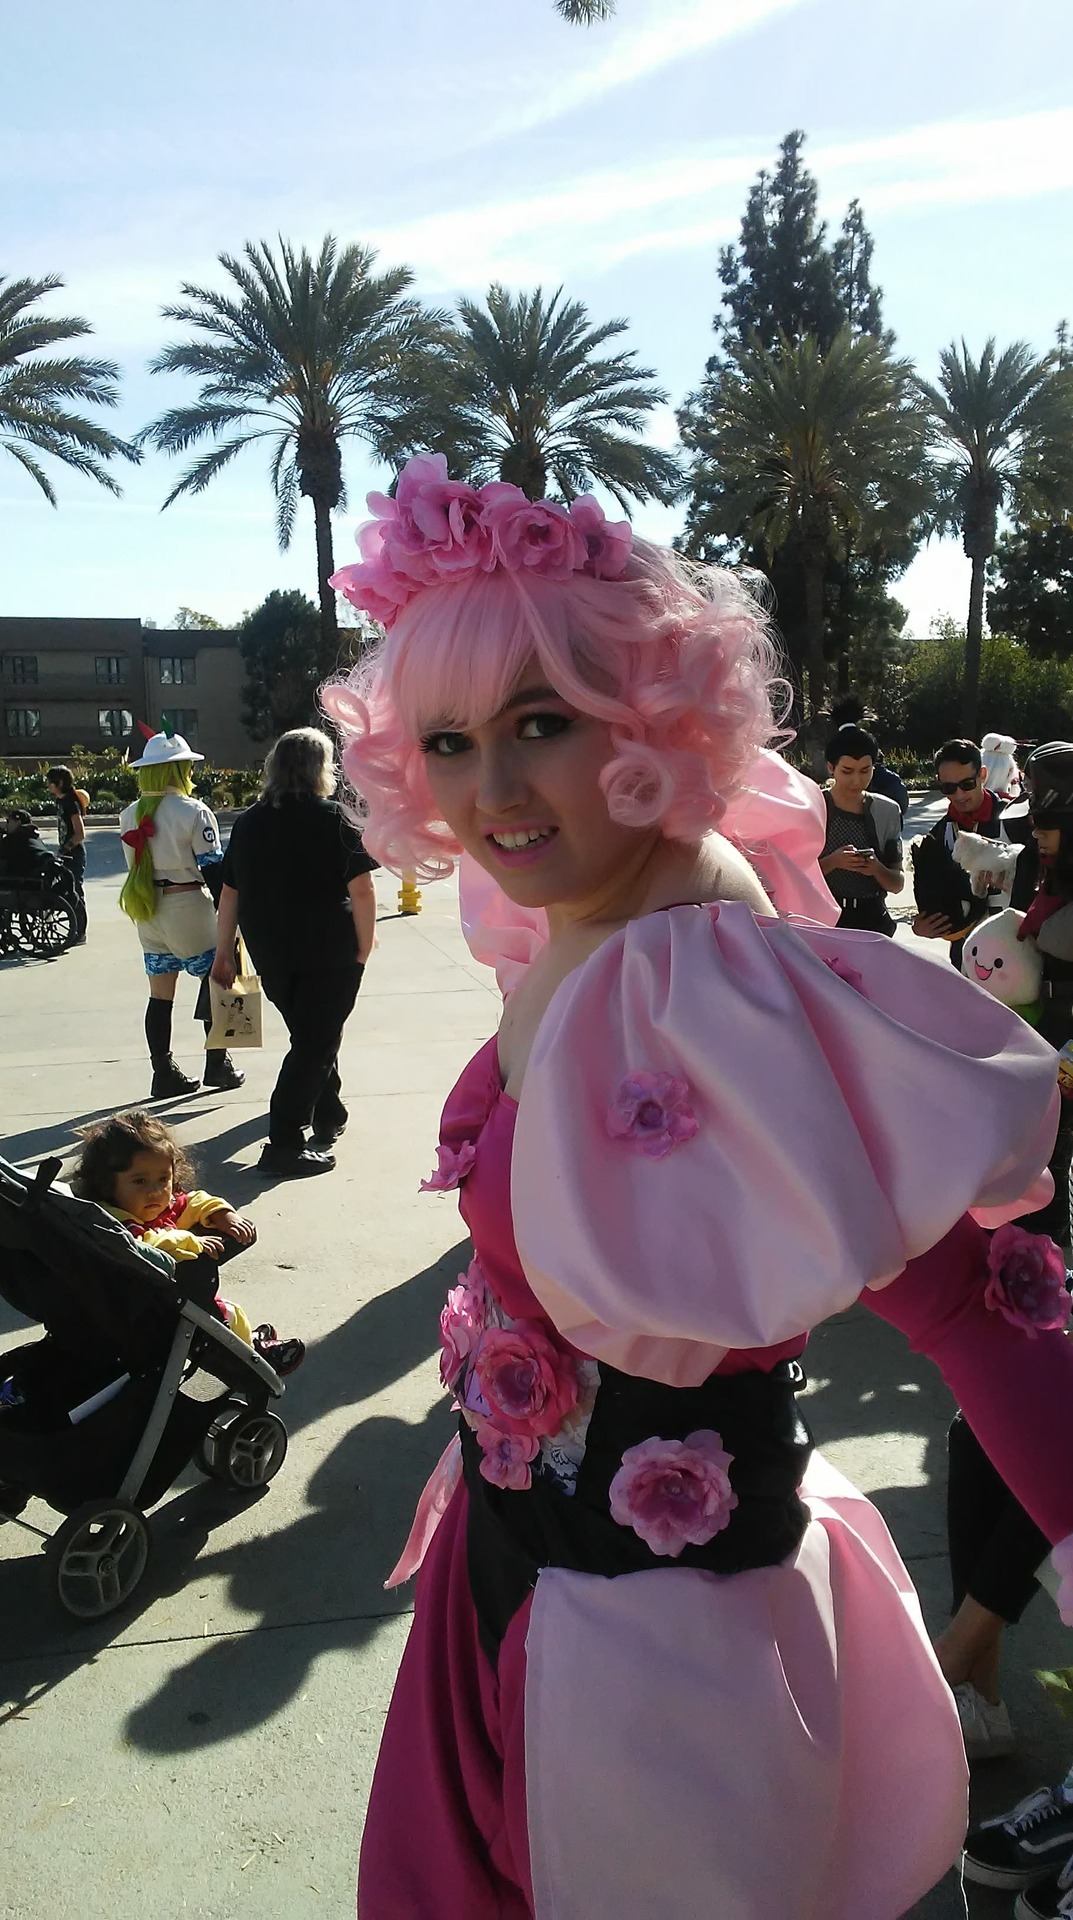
(957, 786)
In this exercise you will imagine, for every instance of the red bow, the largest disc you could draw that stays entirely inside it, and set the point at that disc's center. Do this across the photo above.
(140, 836)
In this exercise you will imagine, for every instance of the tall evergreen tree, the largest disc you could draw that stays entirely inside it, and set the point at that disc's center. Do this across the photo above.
(783, 283)
(1031, 595)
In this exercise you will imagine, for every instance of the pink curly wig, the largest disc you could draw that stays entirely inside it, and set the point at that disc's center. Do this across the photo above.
(679, 662)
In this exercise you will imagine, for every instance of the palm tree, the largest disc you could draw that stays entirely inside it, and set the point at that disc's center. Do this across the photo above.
(37, 394)
(534, 399)
(1002, 435)
(582, 13)
(822, 452)
(310, 351)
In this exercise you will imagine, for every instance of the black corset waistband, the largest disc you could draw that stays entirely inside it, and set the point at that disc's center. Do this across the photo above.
(512, 1535)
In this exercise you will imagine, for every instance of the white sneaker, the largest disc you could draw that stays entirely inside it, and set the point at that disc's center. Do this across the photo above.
(985, 1724)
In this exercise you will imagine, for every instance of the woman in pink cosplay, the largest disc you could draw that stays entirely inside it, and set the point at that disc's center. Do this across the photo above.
(663, 1663)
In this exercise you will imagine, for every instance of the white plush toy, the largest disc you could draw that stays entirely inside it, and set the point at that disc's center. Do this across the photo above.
(1006, 967)
(989, 863)
(1002, 775)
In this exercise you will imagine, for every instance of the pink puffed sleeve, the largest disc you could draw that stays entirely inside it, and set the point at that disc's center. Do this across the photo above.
(730, 1125)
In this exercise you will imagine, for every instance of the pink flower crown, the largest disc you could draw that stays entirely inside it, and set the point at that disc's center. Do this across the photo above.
(436, 530)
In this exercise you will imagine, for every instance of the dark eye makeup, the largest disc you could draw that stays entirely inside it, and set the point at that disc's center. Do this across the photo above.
(447, 744)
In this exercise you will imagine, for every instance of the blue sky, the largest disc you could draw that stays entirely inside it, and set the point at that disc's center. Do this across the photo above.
(488, 140)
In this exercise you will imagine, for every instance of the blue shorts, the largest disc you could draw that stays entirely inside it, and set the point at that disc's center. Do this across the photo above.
(198, 963)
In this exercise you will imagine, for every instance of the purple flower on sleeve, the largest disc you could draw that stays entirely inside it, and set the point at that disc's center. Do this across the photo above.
(1027, 1281)
(674, 1493)
(652, 1111)
(451, 1167)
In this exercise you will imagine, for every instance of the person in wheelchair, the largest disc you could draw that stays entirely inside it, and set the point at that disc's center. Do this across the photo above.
(23, 853)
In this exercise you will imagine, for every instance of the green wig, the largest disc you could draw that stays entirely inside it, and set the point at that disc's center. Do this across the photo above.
(139, 895)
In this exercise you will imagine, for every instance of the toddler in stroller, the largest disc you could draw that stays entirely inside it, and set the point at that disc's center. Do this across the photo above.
(133, 1378)
(133, 1165)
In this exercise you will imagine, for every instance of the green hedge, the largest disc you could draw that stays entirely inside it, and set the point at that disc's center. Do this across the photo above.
(112, 784)
(1019, 694)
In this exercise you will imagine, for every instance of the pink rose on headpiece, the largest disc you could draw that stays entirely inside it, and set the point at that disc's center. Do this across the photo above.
(674, 1493)
(461, 1323)
(1027, 1283)
(506, 1456)
(534, 533)
(607, 541)
(652, 1110)
(451, 1167)
(434, 526)
(528, 1383)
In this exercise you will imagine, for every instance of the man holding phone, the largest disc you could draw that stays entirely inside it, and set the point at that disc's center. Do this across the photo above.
(862, 854)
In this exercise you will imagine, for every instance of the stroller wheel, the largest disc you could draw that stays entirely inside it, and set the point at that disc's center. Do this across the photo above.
(244, 1449)
(97, 1558)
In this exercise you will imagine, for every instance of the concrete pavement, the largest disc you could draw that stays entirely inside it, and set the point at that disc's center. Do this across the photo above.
(209, 1753)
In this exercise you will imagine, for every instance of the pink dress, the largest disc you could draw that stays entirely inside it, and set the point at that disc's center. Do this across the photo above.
(663, 1664)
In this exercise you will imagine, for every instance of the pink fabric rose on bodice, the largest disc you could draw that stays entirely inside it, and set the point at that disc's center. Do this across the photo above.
(451, 1167)
(506, 1455)
(1027, 1283)
(462, 1322)
(674, 1493)
(652, 1111)
(528, 1384)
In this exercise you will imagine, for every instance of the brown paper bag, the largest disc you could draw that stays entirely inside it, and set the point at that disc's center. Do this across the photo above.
(236, 1010)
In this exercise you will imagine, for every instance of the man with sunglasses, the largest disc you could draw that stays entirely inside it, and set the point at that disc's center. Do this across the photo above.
(971, 809)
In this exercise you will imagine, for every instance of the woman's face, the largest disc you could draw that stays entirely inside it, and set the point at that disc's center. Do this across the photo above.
(522, 795)
(145, 1187)
(1047, 839)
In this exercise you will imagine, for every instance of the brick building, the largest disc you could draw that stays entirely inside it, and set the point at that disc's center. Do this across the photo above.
(88, 683)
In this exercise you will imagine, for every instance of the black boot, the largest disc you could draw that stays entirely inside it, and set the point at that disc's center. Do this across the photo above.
(221, 1071)
(168, 1079)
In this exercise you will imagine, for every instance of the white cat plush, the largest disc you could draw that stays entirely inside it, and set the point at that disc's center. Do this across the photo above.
(998, 755)
(1004, 966)
(989, 863)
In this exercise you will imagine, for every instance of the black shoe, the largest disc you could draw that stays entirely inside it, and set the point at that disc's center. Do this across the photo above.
(1021, 1847)
(294, 1163)
(168, 1079)
(282, 1355)
(223, 1074)
(1052, 1899)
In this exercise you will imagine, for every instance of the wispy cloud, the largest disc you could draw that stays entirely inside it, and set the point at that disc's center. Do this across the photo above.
(692, 199)
(670, 31)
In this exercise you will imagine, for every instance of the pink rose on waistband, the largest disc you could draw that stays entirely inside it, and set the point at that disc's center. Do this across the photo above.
(652, 1110)
(1027, 1283)
(506, 1456)
(461, 1323)
(528, 1383)
(535, 533)
(451, 1167)
(607, 541)
(674, 1493)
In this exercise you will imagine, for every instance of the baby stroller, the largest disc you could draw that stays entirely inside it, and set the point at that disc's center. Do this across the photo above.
(38, 911)
(132, 1379)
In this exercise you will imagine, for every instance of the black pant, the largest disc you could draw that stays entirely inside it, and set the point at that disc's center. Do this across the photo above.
(75, 858)
(868, 912)
(315, 1003)
(995, 1548)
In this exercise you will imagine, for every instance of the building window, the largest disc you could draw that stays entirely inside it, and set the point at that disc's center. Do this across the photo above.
(23, 722)
(20, 668)
(111, 669)
(180, 720)
(115, 722)
(178, 670)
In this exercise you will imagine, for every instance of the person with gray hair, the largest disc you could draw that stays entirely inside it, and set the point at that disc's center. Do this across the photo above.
(298, 883)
